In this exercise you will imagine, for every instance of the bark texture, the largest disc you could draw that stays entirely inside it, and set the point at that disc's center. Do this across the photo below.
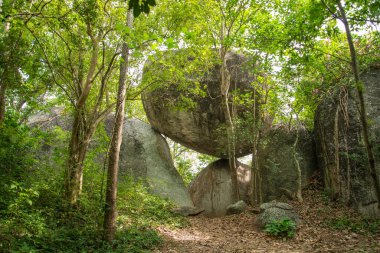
(2, 102)
(110, 214)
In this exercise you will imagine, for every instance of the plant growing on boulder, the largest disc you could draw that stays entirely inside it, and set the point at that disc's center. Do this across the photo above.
(285, 228)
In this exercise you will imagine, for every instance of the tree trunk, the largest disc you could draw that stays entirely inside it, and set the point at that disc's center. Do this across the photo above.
(224, 88)
(3, 89)
(299, 171)
(3, 85)
(256, 188)
(362, 109)
(77, 153)
(110, 214)
(82, 130)
(255, 191)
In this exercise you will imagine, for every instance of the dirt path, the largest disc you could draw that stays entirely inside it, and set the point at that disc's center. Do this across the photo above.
(236, 233)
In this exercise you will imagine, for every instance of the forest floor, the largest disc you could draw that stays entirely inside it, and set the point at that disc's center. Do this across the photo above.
(326, 227)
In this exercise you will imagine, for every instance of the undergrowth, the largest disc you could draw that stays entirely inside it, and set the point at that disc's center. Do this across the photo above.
(34, 217)
(284, 228)
(357, 225)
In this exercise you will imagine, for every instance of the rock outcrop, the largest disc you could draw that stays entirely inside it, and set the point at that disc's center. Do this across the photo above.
(278, 164)
(212, 191)
(187, 211)
(145, 155)
(200, 126)
(341, 152)
(56, 117)
(275, 211)
(237, 208)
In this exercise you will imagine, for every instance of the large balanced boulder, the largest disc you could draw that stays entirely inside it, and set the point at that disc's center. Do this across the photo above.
(340, 146)
(281, 153)
(212, 189)
(145, 155)
(201, 124)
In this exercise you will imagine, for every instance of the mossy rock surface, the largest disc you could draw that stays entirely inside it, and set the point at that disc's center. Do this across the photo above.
(341, 152)
(190, 112)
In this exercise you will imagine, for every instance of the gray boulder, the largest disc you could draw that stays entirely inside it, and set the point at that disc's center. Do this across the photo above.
(277, 161)
(275, 211)
(187, 210)
(212, 191)
(237, 208)
(200, 125)
(341, 153)
(47, 120)
(145, 155)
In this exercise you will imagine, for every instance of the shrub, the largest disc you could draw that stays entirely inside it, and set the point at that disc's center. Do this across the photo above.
(285, 228)
(138, 207)
(357, 225)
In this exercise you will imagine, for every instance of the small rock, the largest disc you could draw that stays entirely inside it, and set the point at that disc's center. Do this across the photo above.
(276, 204)
(275, 211)
(187, 210)
(236, 208)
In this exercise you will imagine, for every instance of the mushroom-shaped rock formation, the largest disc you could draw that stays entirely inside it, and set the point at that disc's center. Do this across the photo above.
(200, 126)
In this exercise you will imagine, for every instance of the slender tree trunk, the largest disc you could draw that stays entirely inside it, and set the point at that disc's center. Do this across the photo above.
(3, 88)
(255, 190)
(3, 85)
(362, 109)
(81, 135)
(77, 153)
(298, 167)
(82, 130)
(224, 88)
(113, 157)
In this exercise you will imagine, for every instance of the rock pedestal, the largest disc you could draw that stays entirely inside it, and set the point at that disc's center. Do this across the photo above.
(212, 190)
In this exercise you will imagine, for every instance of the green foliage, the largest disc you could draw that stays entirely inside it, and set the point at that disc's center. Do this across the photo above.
(188, 162)
(33, 216)
(45, 58)
(284, 228)
(273, 166)
(17, 159)
(138, 207)
(325, 195)
(36, 220)
(184, 169)
(136, 240)
(357, 225)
